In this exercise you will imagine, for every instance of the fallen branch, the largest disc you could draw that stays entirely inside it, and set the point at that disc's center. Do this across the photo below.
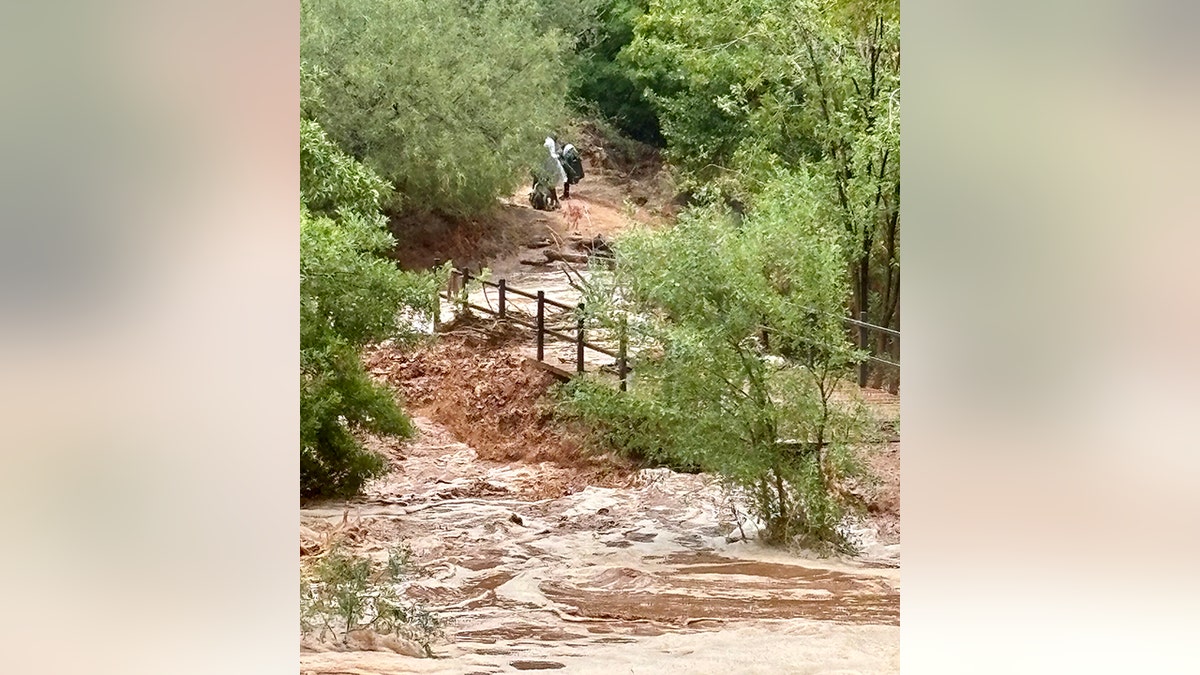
(596, 243)
(553, 255)
(566, 269)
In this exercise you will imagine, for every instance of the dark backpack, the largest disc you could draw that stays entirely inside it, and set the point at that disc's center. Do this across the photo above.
(572, 165)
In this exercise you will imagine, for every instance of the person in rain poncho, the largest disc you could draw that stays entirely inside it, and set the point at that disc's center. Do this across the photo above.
(572, 165)
(555, 176)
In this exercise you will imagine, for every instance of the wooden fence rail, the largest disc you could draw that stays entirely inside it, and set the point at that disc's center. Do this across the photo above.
(579, 339)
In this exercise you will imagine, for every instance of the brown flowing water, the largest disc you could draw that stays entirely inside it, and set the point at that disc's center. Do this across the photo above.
(651, 575)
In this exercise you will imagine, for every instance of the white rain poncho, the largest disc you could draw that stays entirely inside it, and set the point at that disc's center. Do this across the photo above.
(553, 167)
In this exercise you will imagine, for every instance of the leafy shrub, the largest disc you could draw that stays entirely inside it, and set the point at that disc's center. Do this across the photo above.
(349, 296)
(632, 425)
(603, 83)
(332, 181)
(342, 593)
(745, 89)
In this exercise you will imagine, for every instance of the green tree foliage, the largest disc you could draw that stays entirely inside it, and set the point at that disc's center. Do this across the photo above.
(349, 296)
(707, 394)
(577, 20)
(331, 181)
(448, 100)
(604, 83)
(747, 88)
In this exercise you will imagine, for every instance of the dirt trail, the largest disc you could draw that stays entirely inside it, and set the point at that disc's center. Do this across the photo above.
(651, 577)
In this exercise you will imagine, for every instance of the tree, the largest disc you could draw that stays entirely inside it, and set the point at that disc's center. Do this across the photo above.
(349, 297)
(745, 88)
(709, 395)
(447, 100)
(603, 83)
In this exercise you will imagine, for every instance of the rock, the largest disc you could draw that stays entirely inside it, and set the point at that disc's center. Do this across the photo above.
(537, 665)
(565, 256)
(370, 641)
(517, 519)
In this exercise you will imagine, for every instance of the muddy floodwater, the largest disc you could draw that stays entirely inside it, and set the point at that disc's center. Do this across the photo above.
(652, 576)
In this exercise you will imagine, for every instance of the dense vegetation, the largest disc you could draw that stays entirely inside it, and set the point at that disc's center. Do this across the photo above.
(748, 90)
(788, 110)
(349, 297)
(602, 84)
(743, 349)
(427, 105)
(446, 100)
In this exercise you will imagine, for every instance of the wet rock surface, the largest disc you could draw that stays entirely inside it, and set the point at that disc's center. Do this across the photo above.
(638, 578)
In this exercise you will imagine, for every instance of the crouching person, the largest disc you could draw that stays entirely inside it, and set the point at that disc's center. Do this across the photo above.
(542, 196)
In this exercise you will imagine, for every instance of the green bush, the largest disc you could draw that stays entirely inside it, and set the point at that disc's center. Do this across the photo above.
(341, 593)
(331, 181)
(349, 296)
(745, 89)
(632, 425)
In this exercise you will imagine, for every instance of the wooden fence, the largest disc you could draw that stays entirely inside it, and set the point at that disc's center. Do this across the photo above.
(579, 338)
(461, 279)
(863, 329)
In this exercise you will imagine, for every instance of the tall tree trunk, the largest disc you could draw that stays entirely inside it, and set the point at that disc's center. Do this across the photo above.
(781, 532)
(885, 344)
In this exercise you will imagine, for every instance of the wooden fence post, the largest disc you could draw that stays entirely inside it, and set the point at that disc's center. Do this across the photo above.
(500, 286)
(437, 299)
(541, 325)
(466, 283)
(622, 363)
(579, 341)
(862, 344)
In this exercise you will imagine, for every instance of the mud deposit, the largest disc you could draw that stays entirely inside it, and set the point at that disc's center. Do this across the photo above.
(647, 577)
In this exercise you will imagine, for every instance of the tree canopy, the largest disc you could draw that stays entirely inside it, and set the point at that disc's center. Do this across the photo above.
(747, 90)
(446, 100)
